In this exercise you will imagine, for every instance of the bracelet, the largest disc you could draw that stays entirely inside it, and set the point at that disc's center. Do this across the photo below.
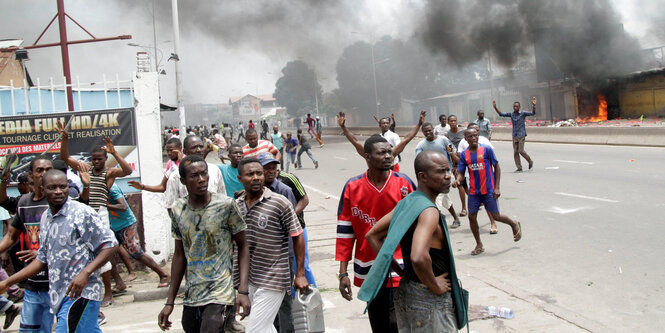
(169, 304)
(243, 292)
(142, 186)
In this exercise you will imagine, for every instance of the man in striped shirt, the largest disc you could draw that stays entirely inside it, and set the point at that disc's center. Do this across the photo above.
(270, 220)
(255, 146)
(484, 182)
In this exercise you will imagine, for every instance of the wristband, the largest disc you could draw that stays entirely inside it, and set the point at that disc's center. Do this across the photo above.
(342, 275)
(243, 292)
(169, 304)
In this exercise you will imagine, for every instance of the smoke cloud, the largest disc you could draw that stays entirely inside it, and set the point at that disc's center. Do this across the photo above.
(584, 39)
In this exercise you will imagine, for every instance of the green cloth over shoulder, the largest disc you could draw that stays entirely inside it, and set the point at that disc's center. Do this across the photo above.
(406, 213)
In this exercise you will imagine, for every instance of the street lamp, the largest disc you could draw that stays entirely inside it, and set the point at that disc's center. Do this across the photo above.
(376, 94)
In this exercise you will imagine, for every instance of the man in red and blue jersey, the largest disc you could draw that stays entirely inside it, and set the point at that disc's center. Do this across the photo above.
(484, 179)
(366, 199)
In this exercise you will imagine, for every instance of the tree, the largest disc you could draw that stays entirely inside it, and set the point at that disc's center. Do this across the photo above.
(297, 87)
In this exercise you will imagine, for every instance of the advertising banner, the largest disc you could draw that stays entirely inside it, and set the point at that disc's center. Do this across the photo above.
(28, 136)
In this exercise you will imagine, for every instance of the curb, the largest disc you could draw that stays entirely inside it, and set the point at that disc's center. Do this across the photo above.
(154, 294)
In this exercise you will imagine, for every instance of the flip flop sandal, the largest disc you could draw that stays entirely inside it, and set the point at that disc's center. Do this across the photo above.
(494, 231)
(518, 235)
(463, 212)
(106, 303)
(116, 292)
(477, 251)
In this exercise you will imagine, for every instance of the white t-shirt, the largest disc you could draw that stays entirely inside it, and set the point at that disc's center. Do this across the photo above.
(440, 130)
(393, 139)
(176, 190)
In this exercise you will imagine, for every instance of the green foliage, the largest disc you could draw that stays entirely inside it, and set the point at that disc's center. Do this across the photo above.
(297, 87)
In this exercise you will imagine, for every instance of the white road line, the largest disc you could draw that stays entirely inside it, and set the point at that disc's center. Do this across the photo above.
(563, 211)
(585, 197)
(575, 162)
(320, 192)
(341, 158)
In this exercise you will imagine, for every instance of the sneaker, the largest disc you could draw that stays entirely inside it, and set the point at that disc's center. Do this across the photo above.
(101, 319)
(10, 315)
(316, 165)
(518, 170)
(530, 165)
(456, 224)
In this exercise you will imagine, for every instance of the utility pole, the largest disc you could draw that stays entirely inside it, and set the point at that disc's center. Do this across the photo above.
(376, 95)
(178, 72)
(64, 46)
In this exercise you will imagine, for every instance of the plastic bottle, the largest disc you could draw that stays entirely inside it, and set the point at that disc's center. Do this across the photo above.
(501, 312)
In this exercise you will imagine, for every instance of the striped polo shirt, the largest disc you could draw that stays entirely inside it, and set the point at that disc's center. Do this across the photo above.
(261, 146)
(270, 223)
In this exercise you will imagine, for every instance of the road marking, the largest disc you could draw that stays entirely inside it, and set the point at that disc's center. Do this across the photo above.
(575, 162)
(585, 197)
(341, 158)
(320, 192)
(563, 211)
(551, 168)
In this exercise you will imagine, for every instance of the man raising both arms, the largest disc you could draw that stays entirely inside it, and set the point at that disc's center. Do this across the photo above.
(484, 181)
(518, 118)
(397, 145)
(365, 199)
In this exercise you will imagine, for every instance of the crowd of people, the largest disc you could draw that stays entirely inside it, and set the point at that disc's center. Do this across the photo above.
(240, 232)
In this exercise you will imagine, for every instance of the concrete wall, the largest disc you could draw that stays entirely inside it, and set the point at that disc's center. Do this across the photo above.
(156, 222)
(629, 136)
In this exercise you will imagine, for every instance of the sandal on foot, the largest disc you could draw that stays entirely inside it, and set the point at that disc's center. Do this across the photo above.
(463, 212)
(494, 231)
(107, 303)
(477, 251)
(518, 235)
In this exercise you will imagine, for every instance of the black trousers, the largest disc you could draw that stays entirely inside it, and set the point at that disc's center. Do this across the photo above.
(210, 318)
(381, 312)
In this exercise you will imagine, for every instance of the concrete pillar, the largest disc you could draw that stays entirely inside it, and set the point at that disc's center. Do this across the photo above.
(156, 222)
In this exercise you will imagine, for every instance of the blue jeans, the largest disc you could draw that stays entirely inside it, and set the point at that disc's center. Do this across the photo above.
(79, 315)
(418, 310)
(291, 157)
(36, 315)
(309, 153)
(308, 271)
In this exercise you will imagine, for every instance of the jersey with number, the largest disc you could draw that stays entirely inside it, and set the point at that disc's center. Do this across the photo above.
(362, 205)
(481, 169)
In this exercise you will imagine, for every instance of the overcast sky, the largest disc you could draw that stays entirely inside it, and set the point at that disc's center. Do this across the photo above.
(231, 48)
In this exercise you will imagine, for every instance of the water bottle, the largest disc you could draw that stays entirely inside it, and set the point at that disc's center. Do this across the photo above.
(501, 312)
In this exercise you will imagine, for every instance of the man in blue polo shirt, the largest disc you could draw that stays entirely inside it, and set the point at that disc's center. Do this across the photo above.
(517, 117)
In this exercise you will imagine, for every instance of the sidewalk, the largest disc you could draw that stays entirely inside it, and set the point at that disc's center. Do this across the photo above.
(531, 314)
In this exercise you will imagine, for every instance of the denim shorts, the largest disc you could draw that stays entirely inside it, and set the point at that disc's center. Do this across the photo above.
(418, 310)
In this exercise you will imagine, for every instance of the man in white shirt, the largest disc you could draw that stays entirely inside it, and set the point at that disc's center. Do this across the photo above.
(392, 137)
(482, 141)
(175, 189)
(443, 127)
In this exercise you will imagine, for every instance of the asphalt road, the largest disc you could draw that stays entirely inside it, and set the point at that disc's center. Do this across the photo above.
(591, 217)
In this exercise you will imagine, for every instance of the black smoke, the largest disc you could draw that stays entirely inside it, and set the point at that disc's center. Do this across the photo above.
(584, 39)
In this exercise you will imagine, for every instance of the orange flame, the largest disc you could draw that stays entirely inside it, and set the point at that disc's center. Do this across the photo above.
(602, 112)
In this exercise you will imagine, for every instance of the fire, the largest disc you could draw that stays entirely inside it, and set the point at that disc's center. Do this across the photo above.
(602, 111)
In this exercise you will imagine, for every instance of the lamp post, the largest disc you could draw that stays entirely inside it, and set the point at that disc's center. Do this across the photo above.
(178, 71)
(376, 94)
